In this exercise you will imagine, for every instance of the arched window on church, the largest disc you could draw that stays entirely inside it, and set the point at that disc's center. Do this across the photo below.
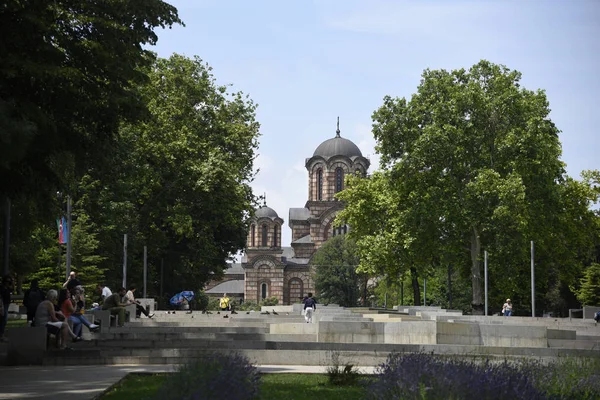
(264, 235)
(252, 235)
(320, 184)
(275, 236)
(263, 291)
(339, 179)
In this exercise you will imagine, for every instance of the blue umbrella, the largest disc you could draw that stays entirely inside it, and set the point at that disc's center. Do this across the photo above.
(179, 297)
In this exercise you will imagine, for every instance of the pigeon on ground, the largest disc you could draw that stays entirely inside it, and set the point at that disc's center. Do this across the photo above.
(275, 312)
(208, 312)
(234, 312)
(218, 312)
(247, 312)
(225, 316)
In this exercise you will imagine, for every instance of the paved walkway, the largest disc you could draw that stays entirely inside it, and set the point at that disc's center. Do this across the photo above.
(87, 382)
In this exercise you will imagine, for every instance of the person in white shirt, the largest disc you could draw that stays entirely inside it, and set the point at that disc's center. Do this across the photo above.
(104, 290)
(129, 298)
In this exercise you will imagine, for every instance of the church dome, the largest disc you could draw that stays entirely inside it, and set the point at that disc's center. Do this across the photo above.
(337, 146)
(266, 212)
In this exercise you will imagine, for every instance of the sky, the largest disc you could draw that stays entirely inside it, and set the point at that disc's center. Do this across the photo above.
(307, 62)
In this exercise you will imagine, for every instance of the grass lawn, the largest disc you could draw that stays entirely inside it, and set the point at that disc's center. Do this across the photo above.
(16, 323)
(274, 387)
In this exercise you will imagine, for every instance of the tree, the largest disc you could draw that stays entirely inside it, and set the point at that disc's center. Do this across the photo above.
(472, 162)
(180, 179)
(589, 293)
(69, 70)
(336, 279)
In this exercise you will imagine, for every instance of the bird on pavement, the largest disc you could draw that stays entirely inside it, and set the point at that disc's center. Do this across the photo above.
(275, 312)
(225, 316)
(234, 312)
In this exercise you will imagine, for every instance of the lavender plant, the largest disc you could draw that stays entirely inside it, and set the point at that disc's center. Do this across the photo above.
(424, 376)
(227, 376)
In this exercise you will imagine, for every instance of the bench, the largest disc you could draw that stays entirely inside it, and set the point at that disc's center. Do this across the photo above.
(106, 320)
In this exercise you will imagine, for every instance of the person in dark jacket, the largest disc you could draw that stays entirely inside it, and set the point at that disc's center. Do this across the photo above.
(310, 305)
(32, 299)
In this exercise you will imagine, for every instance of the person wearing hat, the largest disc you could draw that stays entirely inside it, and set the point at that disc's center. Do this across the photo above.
(507, 308)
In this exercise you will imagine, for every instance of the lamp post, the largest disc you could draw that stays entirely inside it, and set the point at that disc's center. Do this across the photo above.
(6, 255)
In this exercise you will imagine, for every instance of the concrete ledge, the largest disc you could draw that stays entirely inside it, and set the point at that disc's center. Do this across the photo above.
(294, 329)
(26, 346)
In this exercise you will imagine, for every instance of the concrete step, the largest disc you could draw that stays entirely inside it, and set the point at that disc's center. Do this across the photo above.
(574, 344)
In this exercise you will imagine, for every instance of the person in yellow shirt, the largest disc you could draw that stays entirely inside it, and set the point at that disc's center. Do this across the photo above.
(224, 302)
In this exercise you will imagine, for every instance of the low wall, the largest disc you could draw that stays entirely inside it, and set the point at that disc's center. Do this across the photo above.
(410, 332)
(350, 332)
(293, 328)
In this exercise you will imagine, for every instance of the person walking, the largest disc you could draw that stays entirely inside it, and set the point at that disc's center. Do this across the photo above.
(310, 305)
(224, 302)
(507, 308)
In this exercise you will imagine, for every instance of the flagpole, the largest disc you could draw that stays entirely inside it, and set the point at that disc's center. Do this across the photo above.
(67, 229)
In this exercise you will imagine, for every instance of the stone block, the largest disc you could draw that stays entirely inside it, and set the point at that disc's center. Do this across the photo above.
(293, 328)
(589, 312)
(410, 332)
(514, 336)
(350, 332)
(26, 346)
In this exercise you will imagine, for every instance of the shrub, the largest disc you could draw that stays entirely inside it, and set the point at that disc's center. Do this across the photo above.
(227, 376)
(248, 306)
(271, 301)
(339, 375)
(423, 376)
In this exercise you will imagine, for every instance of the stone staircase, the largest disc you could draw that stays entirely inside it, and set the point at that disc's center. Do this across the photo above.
(359, 336)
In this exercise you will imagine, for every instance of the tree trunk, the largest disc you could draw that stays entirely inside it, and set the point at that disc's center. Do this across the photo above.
(477, 302)
(415, 284)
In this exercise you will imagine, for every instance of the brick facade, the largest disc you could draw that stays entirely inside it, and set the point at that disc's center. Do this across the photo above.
(273, 271)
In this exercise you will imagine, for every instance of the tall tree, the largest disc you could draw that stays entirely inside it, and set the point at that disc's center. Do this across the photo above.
(68, 76)
(336, 278)
(180, 183)
(473, 162)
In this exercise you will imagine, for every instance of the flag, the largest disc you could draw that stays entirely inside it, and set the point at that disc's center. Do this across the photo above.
(63, 230)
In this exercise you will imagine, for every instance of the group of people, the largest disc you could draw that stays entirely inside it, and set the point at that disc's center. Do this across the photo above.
(62, 311)
(116, 303)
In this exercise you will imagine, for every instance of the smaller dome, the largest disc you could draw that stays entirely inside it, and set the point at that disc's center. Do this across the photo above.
(267, 212)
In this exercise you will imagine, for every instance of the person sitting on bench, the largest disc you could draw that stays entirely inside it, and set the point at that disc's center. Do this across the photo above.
(114, 304)
(46, 316)
(130, 299)
(66, 303)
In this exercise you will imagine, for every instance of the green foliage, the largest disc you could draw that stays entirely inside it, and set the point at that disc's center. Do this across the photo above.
(335, 264)
(589, 293)
(202, 300)
(68, 77)
(248, 306)
(270, 301)
(342, 375)
(470, 163)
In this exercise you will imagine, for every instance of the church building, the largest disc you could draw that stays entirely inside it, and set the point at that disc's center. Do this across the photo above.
(268, 268)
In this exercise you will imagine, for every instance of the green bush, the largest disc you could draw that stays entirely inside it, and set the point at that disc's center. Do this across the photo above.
(271, 301)
(342, 375)
(248, 306)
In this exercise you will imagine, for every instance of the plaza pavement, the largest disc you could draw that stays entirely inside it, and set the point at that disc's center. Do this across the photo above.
(88, 382)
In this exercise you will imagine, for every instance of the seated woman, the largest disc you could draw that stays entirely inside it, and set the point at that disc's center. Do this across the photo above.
(78, 302)
(68, 310)
(129, 298)
(46, 316)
